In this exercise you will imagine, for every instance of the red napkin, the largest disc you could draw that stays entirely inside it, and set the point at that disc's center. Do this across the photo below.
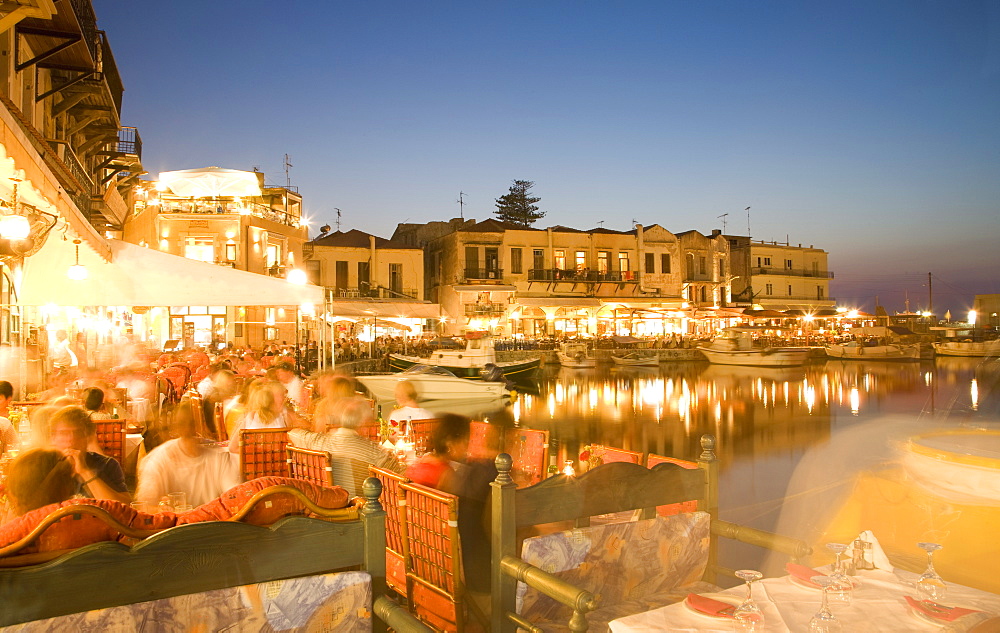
(710, 606)
(943, 613)
(803, 573)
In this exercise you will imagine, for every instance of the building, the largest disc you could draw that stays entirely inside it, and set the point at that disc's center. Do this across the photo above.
(355, 264)
(230, 218)
(987, 307)
(786, 277)
(524, 281)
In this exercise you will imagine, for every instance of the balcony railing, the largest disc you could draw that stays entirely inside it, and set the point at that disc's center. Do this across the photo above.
(212, 206)
(587, 276)
(794, 298)
(793, 272)
(292, 188)
(129, 141)
(485, 309)
(483, 273)
(380, 292)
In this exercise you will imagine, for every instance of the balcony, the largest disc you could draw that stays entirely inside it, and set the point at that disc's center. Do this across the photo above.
(485, 309)
(806, 298)
(479, 274)
(380, 292)
(583, 276)
(222, 207)
(793, 272)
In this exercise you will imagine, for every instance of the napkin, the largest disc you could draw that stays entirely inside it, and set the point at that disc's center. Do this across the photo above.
(710, 606)
(803, 573)
(938, 612)
(878, 554)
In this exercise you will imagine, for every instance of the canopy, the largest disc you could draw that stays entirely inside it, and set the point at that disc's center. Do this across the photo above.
(211, 182)
(139, 276)
(386, 309)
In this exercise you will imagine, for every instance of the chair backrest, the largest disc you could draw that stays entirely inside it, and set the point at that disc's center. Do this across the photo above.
(420, 434)
(370, 432)
(350, 474)
(198, 412)
(111, 438)
(435, 565)
(478, 439)
(673, 508)
(610, 455)
(221, 432)
(309, 465)
(530, 451)
(262, 453)
(394, 503)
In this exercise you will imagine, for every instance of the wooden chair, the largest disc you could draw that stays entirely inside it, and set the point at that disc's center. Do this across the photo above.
(419, 432)
(610, 488)
(111, 438)
(610, 455)
(394, 502)
(437, 589)
(673, 508)
(218, 414)
(309, 465)
(262, 453)
(478, 439)
(530, 450)
(370, 432)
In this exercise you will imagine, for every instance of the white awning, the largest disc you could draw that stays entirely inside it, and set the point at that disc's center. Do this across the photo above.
(211, 182)
(386, 309)
(484, 288)
(559, 302)
(139, 276)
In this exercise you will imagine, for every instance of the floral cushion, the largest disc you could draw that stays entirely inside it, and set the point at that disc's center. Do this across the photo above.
(631, 567)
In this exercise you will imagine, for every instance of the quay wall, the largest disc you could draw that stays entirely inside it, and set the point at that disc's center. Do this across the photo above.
(549, 356)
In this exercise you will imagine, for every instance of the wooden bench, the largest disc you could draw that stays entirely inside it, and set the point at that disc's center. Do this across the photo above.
(607, 489)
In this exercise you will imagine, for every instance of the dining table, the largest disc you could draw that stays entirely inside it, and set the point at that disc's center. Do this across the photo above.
(878, 604)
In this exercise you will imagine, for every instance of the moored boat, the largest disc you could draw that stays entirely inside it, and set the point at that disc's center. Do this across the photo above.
(433, 383)
(634, 359)
(968, 348)
(736, 346)
(474, 362)
(853, 350)
(576, 356)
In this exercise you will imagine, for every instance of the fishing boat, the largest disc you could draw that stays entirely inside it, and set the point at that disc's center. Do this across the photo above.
(477, 361)
(635, 359)
(737, 346)
(433, 383)
(575, 355)
(968, 348)
(854, 350)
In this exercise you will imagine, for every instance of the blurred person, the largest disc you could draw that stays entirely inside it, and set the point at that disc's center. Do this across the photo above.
(93, 402)
(58, 381)
(9, 436)
(449, 444)
(217, 387)
(39, 420)
(332, 389)
(62, 354)
(141, 390)
(285, 374)
(185, 464)
(343, 442)
(100, 477)
(409, 409)
(40, 477)
(265, 409)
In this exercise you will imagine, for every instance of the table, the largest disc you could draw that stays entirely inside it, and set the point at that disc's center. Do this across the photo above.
(877, 606)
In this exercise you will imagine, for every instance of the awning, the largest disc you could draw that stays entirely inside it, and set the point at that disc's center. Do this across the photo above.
(485, 288)
(559, 302)
(212, 182)
(139, 276)
(653, 303)
(386, 309)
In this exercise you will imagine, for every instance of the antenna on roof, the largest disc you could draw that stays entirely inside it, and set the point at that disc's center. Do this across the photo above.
(338, 218)
(601, 224)
(723, 216)
(288, 180)
(461, 204)
(748, 221)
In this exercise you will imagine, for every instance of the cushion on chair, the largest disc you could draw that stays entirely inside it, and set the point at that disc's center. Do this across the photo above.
(271, 509)
(632, 567)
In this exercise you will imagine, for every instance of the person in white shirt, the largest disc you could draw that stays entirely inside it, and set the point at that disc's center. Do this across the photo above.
(185, 465)
(285, 374)
(409, 409)
(9, 437)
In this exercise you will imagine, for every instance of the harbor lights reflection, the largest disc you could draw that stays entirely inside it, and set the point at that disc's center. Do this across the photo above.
(856, 400)
(974, 394)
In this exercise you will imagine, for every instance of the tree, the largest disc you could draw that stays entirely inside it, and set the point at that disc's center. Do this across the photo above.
(518, 206)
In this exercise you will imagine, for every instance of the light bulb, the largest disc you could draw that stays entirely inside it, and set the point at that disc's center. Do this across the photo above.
(77, 272)
(14, 227)
(297, 276)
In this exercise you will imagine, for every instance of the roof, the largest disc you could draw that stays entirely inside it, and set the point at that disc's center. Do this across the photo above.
(358, 239)
(492, 225)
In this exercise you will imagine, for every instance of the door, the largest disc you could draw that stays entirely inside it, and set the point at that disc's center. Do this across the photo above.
(492, 263)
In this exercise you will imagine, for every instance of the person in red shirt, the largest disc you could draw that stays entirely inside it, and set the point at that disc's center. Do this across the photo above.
(449, 444)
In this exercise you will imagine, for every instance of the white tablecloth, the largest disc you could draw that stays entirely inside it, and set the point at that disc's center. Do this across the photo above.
(877, 606)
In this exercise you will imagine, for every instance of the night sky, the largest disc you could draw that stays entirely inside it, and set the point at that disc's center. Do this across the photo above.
(868, 129)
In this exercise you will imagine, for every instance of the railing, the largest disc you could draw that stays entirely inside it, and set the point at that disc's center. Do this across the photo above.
(380, 292)
(129, 141)
(586, 275)
(831, 300)
(485, 309)
(483, 273)
(697, 278)
(84, 11)
(109, 69)
(793, 272)
(210, 206)
(292, 188)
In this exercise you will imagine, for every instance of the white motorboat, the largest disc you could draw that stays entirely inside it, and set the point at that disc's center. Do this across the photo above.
(433, 383)
(634, 359)
(736, 346)
(576, 356)
(853, 350)
(968, 348)
(473, 362)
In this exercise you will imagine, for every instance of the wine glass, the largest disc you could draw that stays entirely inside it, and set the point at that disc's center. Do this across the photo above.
(840, 592)
(930, 585)
(824, 620)
(748, 617)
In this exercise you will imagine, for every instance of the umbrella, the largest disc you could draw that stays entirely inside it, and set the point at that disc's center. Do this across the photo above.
(211, 182)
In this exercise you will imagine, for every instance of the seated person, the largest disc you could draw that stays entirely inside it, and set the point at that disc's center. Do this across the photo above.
(93, 402)
(100, 477)
(449, 443)
(332, 388)
(9, 437)
(185, 464)
(406, 398)
(266, 409)
(38, 478)
(344, 442)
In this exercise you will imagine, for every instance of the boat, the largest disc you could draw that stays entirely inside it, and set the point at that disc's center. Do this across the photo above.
(635, 359)
(736, 346)
(433, 383)
(854, 350)
(477, 361)
(968, 348)
(575, 355)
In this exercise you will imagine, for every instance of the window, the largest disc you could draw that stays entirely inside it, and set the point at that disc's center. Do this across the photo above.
(201, 248)
(665, 263)
(395, 279)
(274, 256)
(788, 264)
(364, 276)
(701, 265)
(313, 272)
(768, 289)
(789, 290)
(623, 263)
(492, 263)
(561, 260)
(722, 268)
(767, 261)
(603, 262)
(703, 295)
(650, 263)
(515, 261)
(340, 275)
(538, 258)
(472, 260)
(819, 292)
(581, 260)
(230, 251)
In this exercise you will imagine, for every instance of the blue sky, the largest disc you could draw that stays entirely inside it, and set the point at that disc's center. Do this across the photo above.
(869, 129)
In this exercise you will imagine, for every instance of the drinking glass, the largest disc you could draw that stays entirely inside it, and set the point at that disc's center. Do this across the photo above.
(748, 617)
(177, 500)
(930, 585)
(840, 592)
(824, 620)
